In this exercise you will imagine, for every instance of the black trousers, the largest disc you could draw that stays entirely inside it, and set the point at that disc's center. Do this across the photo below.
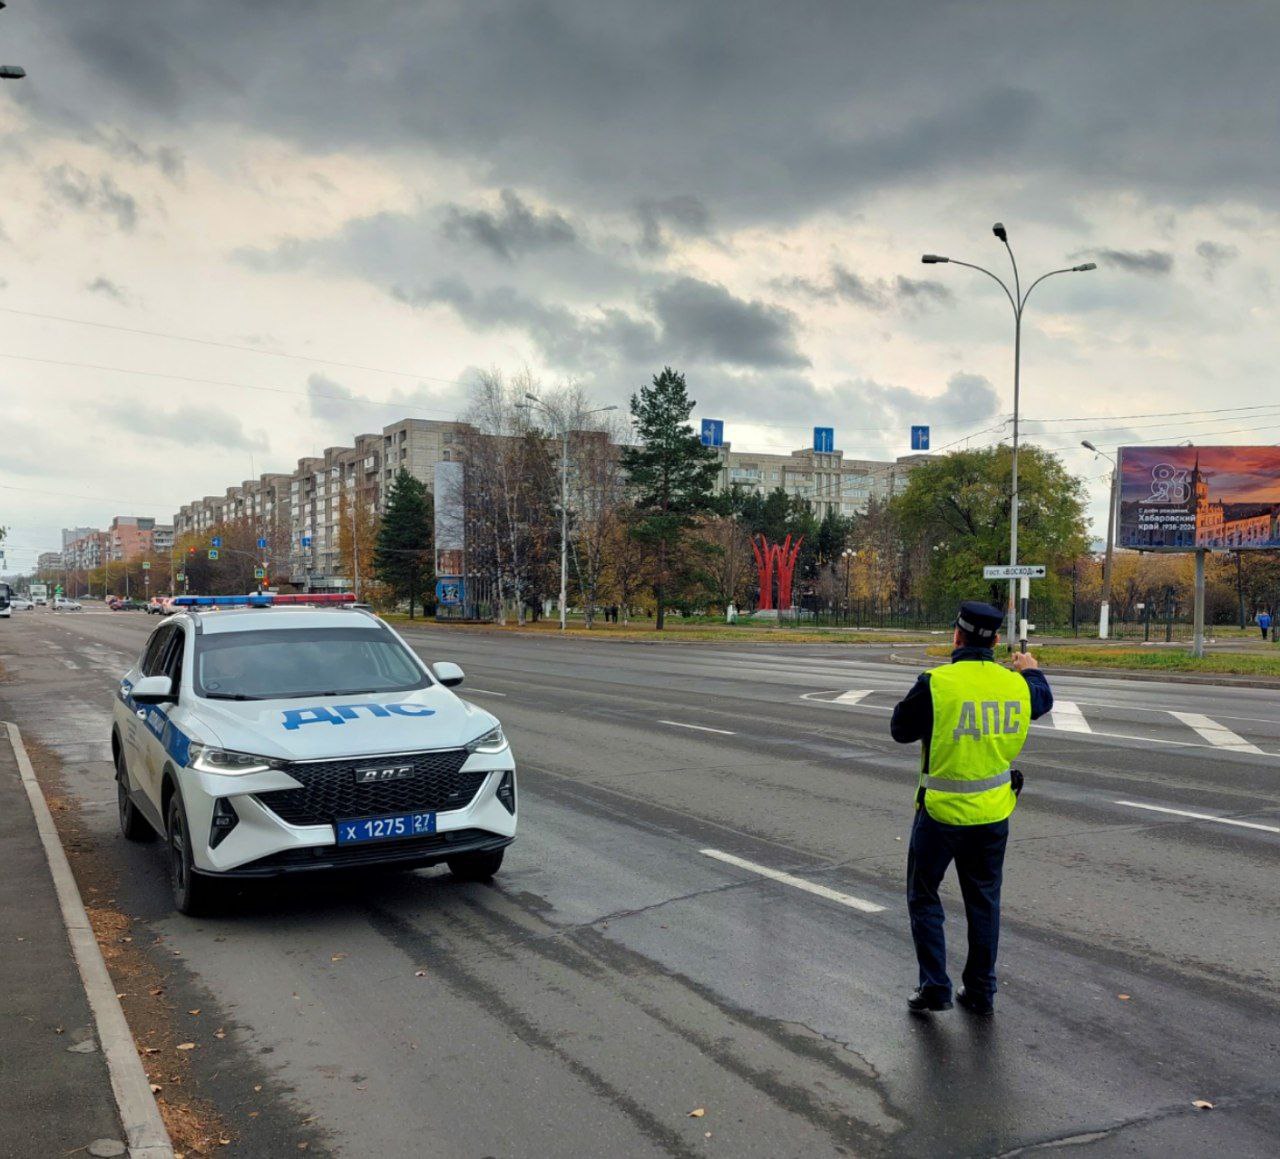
(978, 852)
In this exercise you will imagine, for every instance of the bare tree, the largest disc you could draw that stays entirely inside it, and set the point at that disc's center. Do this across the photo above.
(729, 558)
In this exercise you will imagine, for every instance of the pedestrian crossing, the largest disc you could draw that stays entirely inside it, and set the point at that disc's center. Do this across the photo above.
(1257, 736)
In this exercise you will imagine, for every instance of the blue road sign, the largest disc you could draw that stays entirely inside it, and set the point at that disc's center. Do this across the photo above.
(259, 573)
(713, 432)
(217, 541)
(262, 543)
(824, 439)
(919, 438)
(213, 553)
(306, 541)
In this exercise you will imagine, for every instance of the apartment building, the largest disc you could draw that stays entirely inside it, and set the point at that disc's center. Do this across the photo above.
(300, 512)
(129, 537)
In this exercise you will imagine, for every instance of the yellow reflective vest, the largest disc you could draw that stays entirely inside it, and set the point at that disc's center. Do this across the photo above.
(981, 717)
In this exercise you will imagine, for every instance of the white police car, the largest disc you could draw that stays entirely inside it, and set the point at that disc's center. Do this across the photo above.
(271, 740)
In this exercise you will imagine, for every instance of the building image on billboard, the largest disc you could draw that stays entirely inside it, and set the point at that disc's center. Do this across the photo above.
(1184, 498)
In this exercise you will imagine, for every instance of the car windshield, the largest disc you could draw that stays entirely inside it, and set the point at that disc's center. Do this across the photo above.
(282, 663)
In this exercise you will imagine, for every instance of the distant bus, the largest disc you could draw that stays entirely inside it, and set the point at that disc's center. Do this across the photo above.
(6, 594)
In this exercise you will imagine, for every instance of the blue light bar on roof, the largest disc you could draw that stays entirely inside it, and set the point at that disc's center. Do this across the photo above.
(222, 601)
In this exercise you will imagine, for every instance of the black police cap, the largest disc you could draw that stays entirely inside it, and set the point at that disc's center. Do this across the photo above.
(979, 620)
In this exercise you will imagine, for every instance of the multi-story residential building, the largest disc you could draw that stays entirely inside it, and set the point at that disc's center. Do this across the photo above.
(48, 562)
(133, 536)
(307, 505)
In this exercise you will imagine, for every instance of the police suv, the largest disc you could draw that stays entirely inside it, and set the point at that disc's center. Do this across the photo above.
(270, 739)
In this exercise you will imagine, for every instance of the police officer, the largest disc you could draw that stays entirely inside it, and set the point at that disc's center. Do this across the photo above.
(971, 717)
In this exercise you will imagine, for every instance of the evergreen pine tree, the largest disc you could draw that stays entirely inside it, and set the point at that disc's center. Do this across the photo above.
(402, 556)
(673, 474)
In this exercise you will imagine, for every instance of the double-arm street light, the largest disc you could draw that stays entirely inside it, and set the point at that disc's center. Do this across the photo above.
(1104, 609)
(535, 403)
(1018, 300)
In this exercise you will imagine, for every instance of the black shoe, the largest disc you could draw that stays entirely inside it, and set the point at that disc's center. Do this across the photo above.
(973, 1006)
(922, 1003)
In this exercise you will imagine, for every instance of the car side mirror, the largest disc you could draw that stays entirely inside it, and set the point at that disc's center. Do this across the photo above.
(450, 675)
(153, 690)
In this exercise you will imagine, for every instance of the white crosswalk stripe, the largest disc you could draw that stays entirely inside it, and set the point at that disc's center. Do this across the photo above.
(1216, 734)
(1067, 717)
(853, 697)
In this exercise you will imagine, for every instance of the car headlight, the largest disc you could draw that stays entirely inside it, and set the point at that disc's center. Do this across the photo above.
(493, 741)
(207, 759)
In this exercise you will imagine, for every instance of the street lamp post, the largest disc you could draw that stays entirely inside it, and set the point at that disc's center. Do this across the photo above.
(1018, 300)
(848, 555)
(1104, 608)
(536, 403)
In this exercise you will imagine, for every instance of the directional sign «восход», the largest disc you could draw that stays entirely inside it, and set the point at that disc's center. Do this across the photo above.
(1014, 571)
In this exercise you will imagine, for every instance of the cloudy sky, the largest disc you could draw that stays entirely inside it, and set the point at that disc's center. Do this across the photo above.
(233, 234)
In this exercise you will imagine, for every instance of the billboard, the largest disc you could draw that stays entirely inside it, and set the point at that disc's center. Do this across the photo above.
(1183, 498)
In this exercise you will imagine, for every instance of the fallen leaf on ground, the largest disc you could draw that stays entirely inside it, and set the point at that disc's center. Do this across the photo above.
(186, 1046)
(156, 991)
(219, 1033)
(156, 1088)
(193, 1011)
(257, 1087)
(121, 995)
(419, 973)
(697, 1112)
(1123, 997)
(225, 1142)
(150, 1050)
(1203, 1104)
(336, 957)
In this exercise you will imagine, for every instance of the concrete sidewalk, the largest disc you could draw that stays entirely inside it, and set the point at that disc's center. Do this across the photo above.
(56, 1092)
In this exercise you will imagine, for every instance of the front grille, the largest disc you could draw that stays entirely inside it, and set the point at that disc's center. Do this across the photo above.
(329, 790)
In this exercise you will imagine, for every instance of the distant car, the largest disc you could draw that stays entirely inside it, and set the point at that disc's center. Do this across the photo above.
(21, 604)
(127, 606)
(155, 606)
(62, 604)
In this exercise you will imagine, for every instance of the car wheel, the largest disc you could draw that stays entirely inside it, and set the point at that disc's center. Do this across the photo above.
(476, 866)
(132, 823)
(190, 890)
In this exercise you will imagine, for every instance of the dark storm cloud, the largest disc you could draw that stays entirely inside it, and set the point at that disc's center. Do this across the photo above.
(568, 340)
(513, 231)
(683, 215)
(1215, 255)
(1154, 262)
(703, 320)
(107, 288)
(875, 294)
(598, 103)
(76, 189)
(923, 291)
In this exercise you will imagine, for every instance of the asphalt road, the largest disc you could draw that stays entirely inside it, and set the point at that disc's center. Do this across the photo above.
(633, 963)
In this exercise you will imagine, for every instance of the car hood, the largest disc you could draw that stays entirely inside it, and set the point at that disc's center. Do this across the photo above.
(313, 728)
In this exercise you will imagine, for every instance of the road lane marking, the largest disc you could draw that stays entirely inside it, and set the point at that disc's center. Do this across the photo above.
(853, 697)
(1202, 816)
(1215, 733)
(845, 899)
(482, 691)
(1067, 717)
(698, 727)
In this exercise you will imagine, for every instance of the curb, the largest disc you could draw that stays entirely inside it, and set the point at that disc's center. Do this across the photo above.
(1220, 679)
(139, 1114)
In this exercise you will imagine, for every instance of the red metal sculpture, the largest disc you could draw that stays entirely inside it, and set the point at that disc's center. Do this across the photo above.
(775, 559)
